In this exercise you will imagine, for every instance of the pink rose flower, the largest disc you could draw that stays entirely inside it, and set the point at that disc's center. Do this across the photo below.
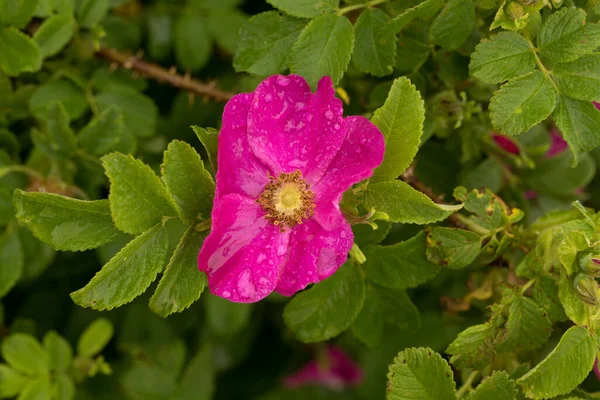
(338, 372)
(285, 158)
(506, 143)
(557, 144)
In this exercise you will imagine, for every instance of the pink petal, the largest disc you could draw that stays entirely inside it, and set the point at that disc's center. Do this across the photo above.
(506, 143)
(239, 170)
(361, 152)
(596, 370)
(291, 129)
(243, 254)
(597, 105)
(314, 254)
(557, 144)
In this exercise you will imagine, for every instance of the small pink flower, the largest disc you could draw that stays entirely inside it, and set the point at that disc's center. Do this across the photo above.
(506, 143)
(557, 144)
(339, 371)
(285, 158)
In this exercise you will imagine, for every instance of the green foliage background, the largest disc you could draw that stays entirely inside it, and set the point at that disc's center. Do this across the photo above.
(474, 269)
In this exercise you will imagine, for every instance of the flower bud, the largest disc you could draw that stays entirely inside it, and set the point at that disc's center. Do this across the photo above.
(587, 288)
(514, 10)
(590, 264)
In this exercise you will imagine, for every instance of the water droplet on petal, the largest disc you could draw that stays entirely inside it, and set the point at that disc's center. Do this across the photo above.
(336, 126)
(283, 81)
(281, 250)
(261, 257)
(226, 294)
(268, 97)
(245, 285)
(328, 114)
(363, 141)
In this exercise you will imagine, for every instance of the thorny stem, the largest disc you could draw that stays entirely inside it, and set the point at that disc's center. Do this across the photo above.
(344, 10)
(467, 386)
(159, 73)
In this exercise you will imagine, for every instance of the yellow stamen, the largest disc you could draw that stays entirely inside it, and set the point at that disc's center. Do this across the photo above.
(287, 200)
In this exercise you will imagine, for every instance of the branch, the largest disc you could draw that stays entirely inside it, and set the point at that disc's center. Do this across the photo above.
(409, 177)
(161, 74)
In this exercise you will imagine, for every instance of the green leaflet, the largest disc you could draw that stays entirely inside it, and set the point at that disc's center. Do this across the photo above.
(54, 34)
(65, 223)
(208, 138)
(452, 248)
(399, 266)
(473, 347)
(181, 283)
(323, 48)
(404, 204)
(128, 274)
(579, 122)
(305, 8)
(12, 381)
(192, 42)
(498, 386)
(453, 25)
(190, 185)
(572, 359)
(95, 337)
(198, 380)
(138, 199)
(565, 35)
(91, 12)
(38, 388)
(11, 261)
(16, 12)
(104, 134)
(517, 58)
(59, 352)
(265, 43)
(400, 120)
(71, 97)
(374, 49)
(420, 373)
(424, 9)
(25, 354)
(522, 103)
(579, 79)
(225, 317)
(18, 52)
(140, 113)
(328, 308)
(224, 26)
(57, 139)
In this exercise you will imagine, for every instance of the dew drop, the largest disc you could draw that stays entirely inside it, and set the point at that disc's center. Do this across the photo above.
(226, 294)
(363, 141)
(281, 250)
(261, 257)
(328, 114)
(283, 81)
(268, 97)
(337, 126)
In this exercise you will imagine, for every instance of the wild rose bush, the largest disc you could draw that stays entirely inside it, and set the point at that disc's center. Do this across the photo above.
(299, 199)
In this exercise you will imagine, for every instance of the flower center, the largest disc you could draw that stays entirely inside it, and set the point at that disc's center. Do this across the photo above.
(287, 200)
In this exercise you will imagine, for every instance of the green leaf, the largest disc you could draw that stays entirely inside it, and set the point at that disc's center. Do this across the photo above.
(38, 255)
(398, 309)
(516, 58)
(579, 79)
(265, 42)
(328, 308)
(224, 26)
(59, 351)
(522, 103)
(64, 91)
(225, 317)
(323, 48)
(420, 373)
(104, 133)
(36, 389)
(368, 325)
(95, 337)
(138, 199)
(192, 41)
(25, 354)
(579, 122)
(18, 52)
(473, 347)
(411, 54)
(65, 223)
(17, 12)
(527, 326)
(424, 9)
(209, 139)
(91, 12)
(404, 204)
(400, 120)
(574, 307)
(572, 359)
(374, 49)
(198, 380)
(545, 294)
(64, 387)
(305, 8)
(453, 25)
(148, 381)
(451, 247)
(11, 261)
(565, 35)
(496, 387)
(190, 185)
(57, 139)
(140, 113)
(159, 25)
(11, 382)
(128, 274)
(181, 283)
(54, 34)
(399, 266)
